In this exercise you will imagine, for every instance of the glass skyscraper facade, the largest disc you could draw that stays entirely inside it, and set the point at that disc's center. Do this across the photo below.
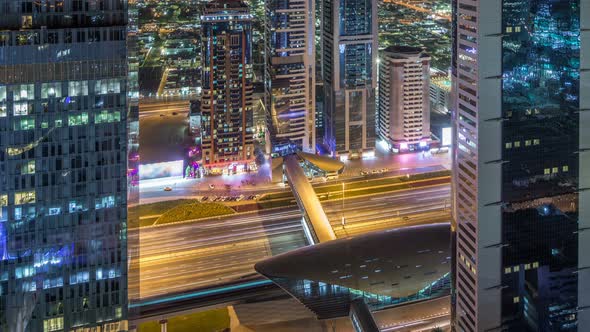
(226, 105)
(63, 165)
(349, 70)
(522, 166)
(290, 74)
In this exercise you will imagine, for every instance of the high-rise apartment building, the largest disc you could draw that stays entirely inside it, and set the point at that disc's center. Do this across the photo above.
(226, 104)
(63, 165)
(403, 117)
(521, 166)
(349, 70)
(290, 74)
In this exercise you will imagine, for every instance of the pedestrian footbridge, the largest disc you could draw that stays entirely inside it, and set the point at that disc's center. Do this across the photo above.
(315, 222)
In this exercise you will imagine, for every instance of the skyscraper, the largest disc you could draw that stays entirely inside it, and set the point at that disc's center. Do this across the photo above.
(63, 165)
(521, 165)
(349, 65)
(226, 105)
(403, 117)
(290, 76)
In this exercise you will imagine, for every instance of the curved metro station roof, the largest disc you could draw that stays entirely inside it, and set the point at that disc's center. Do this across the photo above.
(324, 163)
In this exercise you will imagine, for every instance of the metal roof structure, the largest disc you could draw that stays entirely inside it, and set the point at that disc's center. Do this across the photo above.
(384, 268)
(324, 163)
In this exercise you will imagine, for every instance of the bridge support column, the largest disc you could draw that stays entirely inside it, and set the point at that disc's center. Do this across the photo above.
(164, 325)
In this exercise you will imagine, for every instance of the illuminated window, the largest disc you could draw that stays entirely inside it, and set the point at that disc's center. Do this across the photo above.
(74, 206)
(105, 202)
(28, 168)
(509, 145)
(516, 299)
(527, 266)
(118, 312)
(516, 29)
(547, 171)
(3, 207)
(44, 125)
(2, 93)
(24, 92)
(565, 168)
(509, 29)
(527, 142)
(555, 170)
(53, 324)
(51, 90)
(107, 117)
(516, 268)
(107, 86)
(78, 88)
(517, 144)
(24, 124)
(24, 197)
(535, 265)
(2, 111)
(20, 109)
(536, 141)
(58, 123)
(78, 120)
(507, 270)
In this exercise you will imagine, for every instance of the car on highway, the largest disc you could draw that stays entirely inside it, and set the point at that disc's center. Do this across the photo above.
(374, 171)
(364, 172)
(204, 198)
(167, 189)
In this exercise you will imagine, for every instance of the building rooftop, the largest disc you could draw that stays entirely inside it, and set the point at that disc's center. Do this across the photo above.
(400, 51)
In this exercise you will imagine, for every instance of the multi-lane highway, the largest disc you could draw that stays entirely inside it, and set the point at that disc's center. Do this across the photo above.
(189, 256)
(392, 210)
(195, 255)
(163, 107)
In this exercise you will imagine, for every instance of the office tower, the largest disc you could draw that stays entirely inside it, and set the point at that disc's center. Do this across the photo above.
(440, 91)
(226, 104)
(290, 74)
(403, 117)
(132, 153)
(521, 165)
(349, 70)
(63, 165)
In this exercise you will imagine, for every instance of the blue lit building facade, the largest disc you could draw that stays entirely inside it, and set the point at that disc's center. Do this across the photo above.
(226, 103)
(522, 168)
(349, 71)
(63, 165)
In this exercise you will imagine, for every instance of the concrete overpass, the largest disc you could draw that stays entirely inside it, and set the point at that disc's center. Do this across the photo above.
(315, 222)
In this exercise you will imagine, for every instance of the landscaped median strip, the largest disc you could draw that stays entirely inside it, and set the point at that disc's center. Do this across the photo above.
(194, 211)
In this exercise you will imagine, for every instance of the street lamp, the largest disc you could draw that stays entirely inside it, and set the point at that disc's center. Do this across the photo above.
(343, 220)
